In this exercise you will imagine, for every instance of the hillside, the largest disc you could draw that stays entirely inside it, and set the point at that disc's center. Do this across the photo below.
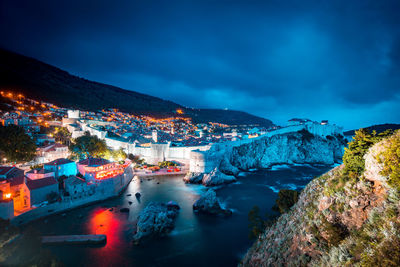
(38, 80)
(347, 217)
(378, 128)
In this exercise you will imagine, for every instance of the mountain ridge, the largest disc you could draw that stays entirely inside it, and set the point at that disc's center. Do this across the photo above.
(39, 80)
(377, 127)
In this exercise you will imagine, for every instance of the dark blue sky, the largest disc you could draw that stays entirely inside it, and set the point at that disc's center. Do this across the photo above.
(336, 60)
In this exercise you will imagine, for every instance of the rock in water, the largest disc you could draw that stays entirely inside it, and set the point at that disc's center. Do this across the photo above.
(209, 204)
(217, 178)
(193, 178)
(137, 195)
(173, 204)
(156, 220)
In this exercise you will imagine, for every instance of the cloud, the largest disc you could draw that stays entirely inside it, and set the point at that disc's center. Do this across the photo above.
(276, 59)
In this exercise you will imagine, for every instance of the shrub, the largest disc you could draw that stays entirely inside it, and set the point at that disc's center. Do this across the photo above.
(256, 223)
(353, 157)
(286, 199)
(335, 232)
(390, 158)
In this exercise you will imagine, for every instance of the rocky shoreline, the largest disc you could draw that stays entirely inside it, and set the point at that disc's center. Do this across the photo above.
(289, 149)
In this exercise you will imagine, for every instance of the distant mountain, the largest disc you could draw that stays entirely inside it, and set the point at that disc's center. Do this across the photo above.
(41, 81)
(378, 128)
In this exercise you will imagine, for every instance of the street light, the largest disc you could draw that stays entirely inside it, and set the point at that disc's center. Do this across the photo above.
(5, 160)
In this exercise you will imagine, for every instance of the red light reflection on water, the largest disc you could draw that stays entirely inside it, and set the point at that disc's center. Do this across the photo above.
(113, 225)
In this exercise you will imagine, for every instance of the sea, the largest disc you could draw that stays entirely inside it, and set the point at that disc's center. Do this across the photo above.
(197, 240)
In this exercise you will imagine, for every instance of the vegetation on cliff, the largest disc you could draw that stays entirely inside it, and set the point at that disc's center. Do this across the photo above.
(347, 217)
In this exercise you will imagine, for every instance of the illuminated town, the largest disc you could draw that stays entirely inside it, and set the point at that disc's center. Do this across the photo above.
(50, 177)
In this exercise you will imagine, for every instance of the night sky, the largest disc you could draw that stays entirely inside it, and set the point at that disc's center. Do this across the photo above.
(336, 60)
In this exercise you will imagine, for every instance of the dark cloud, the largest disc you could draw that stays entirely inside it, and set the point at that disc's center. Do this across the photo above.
(278, 59)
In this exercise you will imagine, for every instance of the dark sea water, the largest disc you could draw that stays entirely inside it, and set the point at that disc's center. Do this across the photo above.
(197, 240)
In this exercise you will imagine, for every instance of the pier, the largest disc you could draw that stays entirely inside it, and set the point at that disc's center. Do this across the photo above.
(74, 239)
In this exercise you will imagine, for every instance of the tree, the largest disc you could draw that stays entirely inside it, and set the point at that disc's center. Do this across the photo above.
(16, 144)
(88, 146)
(353, 157)
(61, 134)
(390, 158)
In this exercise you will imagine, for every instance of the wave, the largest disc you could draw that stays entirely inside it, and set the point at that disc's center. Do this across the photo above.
(291, 186)
(280, 167)
(273, 188)
(235, 183)
(195, 188)
(305, 178)
(176, 232)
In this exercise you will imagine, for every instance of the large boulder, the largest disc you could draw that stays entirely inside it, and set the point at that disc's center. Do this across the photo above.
(193, 177)
(209, 204)
(216, 177)
(156, 220)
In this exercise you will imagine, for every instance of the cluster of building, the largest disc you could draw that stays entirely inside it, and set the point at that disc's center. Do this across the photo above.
(57, 181)
(154, 140)
(118, 129)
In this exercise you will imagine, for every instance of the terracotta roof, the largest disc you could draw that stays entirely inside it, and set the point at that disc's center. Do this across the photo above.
(74, 180)
(10, 171)
(53, 147)
(39, 171)
(60, 161)
(5, 169)
(93, 162)
(16, 180)
(40, 183)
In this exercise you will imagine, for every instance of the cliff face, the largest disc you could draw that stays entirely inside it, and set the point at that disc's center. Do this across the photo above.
(297, 147)
(338, 221)
(300, 147)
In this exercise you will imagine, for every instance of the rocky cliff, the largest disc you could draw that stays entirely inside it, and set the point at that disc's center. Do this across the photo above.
(297, 147)
(300, 147)
(341, 219)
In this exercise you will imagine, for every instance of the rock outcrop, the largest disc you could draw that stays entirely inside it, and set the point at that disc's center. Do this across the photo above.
(193, 177)
(209, 204)
(156, 220)
(339, 220)
(215, 177)
(289, 148)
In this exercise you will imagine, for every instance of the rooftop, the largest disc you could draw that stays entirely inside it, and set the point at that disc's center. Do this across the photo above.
(56, 162)
(93, 162)
(74, 180)
(10, 171)
(39, 183)
(39, 171)
(16, 180)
